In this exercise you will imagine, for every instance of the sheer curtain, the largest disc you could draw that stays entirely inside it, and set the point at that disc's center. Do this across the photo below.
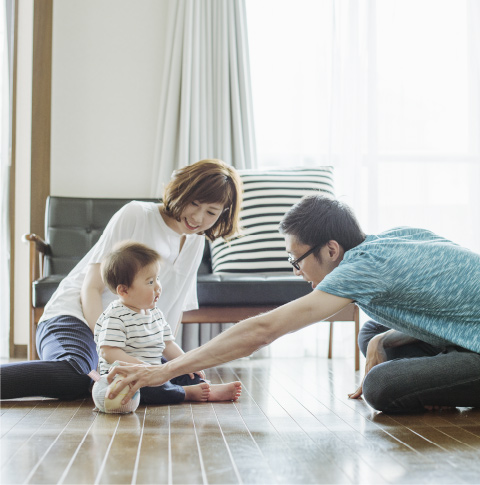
(388, 93)
(205, 102)
(4, 179)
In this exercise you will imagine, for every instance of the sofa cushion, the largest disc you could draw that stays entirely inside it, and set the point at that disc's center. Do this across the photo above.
(263, 289)
(44, 288)
(268, 194)
(216, 289)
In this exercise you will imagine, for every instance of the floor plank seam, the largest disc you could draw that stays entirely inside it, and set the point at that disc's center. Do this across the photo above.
(293, 419)
(105, 458)
(77, 450)
(139, 448)
(202, 466)
(229, 451)
(37, 465)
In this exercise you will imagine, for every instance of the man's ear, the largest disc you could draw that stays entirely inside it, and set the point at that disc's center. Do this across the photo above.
(335, 251)
(122, 290)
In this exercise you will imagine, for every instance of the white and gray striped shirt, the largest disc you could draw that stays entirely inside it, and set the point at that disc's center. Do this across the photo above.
(141, 336)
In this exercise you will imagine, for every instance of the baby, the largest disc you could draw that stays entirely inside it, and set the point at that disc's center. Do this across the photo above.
(132, 329)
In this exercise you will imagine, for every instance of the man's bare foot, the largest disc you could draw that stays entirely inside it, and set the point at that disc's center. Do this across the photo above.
(225, 392)
(197, 392)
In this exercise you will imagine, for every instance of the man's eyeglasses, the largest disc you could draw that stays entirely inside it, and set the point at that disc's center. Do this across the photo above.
(294, 262)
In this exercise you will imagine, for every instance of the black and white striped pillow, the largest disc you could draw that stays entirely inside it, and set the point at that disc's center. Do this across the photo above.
(268, 194)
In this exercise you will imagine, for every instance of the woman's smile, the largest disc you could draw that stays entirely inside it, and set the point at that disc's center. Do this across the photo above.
(191, 226)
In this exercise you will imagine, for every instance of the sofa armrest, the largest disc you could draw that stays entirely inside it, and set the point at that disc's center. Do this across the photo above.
(40, 244)
(38, 249)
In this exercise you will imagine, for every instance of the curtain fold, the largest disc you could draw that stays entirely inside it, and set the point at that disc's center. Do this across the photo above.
(205, 100)
(348, 114)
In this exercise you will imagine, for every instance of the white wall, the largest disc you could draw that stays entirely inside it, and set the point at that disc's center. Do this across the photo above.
(22, 168)
(106, 75)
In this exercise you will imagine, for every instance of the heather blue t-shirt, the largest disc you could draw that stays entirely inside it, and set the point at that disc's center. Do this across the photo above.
(416, 282)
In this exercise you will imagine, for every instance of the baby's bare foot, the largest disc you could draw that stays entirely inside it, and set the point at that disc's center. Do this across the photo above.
(225, 392)
(198, 392)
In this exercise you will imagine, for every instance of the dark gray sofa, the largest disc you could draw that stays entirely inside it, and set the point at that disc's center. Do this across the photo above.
(74, 225)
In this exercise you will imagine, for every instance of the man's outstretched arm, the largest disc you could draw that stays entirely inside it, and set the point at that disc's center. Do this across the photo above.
(241, 340)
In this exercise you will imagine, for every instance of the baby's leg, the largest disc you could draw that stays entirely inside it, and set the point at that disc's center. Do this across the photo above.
(197, 392)
(225, 392)
(218, 392)
(170, 393)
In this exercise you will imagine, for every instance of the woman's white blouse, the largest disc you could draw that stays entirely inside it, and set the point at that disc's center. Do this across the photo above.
(141, 222)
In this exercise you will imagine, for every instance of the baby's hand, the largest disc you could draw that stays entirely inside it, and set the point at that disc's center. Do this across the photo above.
(200, 373)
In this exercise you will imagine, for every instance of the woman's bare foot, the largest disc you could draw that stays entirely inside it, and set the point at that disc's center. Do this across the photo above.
(225, 392)
(197, 392)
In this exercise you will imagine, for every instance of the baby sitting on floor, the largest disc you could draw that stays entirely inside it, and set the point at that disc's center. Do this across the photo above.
(132, 329)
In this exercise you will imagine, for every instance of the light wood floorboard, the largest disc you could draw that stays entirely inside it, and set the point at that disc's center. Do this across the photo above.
(293, 424)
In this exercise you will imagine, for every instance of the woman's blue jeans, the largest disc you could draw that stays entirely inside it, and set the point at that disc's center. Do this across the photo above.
(419, 375)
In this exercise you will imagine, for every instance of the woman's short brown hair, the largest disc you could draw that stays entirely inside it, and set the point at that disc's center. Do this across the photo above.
(123, 263)
(207, 181)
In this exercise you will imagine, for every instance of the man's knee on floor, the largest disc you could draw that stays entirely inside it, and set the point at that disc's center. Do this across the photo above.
(378, 390)
(383, 392)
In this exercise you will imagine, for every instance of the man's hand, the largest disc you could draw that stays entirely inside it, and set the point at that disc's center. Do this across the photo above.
(135, 375)
(375, 355)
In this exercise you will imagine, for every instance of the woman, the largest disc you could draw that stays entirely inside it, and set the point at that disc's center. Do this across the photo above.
(201, 199)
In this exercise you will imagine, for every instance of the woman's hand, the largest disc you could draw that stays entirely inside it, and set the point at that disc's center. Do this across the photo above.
(136, 376)
(375, 355)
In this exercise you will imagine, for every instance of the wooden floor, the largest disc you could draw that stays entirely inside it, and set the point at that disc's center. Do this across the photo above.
(293, 424)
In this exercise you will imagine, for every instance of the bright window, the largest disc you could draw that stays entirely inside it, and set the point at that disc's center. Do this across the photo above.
(409, 131)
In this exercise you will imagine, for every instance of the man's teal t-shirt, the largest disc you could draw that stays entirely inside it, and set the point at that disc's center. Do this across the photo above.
(416, 282)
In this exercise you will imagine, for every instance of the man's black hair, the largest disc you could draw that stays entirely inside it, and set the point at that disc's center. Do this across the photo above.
(317, 219)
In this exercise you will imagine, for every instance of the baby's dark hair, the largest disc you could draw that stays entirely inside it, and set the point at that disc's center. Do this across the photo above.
(123, 263)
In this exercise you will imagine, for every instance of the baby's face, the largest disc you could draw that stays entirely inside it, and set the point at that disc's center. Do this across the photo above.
(145, 289)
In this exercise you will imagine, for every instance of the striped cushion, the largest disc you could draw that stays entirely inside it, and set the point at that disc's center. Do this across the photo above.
(268, 194)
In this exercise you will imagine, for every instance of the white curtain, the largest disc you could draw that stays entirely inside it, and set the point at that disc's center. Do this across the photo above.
(205, 100)
(388, 92)
(4, 184)
(347, 100)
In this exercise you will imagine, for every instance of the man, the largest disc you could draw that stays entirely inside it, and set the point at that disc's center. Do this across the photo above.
(422, 348)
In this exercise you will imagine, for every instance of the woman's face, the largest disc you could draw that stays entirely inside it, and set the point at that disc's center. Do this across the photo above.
(197, 217)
